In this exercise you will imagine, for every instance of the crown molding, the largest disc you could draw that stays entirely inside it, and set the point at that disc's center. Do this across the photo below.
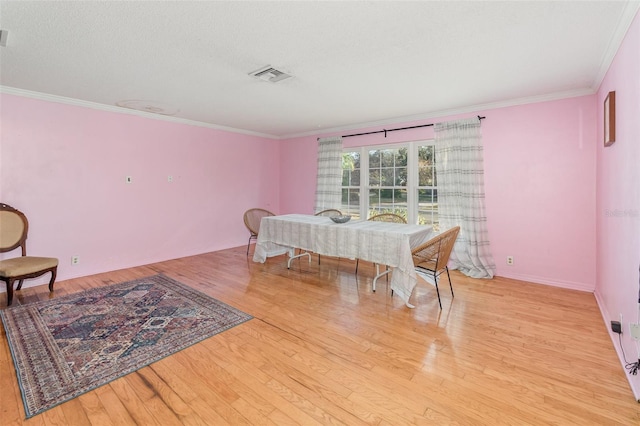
(449, 112)
(626, 19)
(315, 133)
(121, 110)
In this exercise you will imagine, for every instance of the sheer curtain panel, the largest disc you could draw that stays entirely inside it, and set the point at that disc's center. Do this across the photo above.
(329, 183)
(459, 167)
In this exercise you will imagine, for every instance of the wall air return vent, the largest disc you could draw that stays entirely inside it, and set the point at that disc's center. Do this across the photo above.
(270, 74)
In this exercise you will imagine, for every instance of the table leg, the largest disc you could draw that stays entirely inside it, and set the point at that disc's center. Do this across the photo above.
(378, 276)
(299, 255)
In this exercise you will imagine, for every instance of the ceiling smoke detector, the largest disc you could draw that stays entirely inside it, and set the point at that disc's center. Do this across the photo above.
(270, 74)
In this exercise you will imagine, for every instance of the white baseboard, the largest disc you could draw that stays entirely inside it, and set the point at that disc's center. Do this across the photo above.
(616, 343)
(572, 285)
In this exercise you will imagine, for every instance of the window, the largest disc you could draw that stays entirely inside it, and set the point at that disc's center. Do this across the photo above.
(427, 190)
(351, 184)
(388, 181)
(398, 179)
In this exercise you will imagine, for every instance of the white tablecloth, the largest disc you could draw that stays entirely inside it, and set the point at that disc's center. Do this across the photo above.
(378, 242)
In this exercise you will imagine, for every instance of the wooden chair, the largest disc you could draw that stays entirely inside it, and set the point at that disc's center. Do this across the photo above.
(383, 217)
(431, 258)
(252, 218)
(14, 227)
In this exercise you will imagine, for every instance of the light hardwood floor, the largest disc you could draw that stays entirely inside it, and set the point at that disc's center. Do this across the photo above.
(324, 349)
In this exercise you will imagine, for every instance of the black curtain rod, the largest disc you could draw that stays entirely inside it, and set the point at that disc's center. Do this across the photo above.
(393, 130)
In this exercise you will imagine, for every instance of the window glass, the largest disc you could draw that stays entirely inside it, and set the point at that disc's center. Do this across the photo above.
(351, 184)
(398, 179)
(388, 180)
(427, 191)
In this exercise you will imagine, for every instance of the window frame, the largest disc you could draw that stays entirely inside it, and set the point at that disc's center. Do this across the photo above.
(351, 187)
(412, 186)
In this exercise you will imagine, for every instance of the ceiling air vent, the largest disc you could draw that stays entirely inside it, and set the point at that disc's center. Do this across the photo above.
(270, 74)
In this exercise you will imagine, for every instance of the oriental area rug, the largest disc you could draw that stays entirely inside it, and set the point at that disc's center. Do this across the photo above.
(70, 345)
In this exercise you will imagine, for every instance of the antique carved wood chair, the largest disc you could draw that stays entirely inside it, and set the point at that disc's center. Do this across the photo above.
(13, 234)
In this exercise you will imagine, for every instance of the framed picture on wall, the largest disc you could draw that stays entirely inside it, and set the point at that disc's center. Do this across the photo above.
(610, 119)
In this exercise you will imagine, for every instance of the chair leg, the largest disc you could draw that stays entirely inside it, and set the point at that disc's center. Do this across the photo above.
(54, 272)
(450, 284)
(19, 285)
(357, 262)
(251, 237)
(9, 283)
(435, 279)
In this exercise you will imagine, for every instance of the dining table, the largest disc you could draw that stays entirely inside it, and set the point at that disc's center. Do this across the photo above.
(382, 243)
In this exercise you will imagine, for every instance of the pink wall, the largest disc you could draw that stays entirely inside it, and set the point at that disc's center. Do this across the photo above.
(65, 167)
(618, 197)
(540, 186)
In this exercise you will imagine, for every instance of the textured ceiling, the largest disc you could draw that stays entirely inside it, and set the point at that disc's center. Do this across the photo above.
(354, 63)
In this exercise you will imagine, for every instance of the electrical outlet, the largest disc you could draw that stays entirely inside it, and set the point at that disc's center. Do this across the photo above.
(75, 260)
(128, 179)
(169, 178)
(509, 260)
(634, 329)
(616, 327)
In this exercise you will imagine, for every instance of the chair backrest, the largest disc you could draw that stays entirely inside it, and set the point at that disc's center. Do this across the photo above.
(435, 252)
(14, 227)
(388, 217)
(329, 213)
(252, 218)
